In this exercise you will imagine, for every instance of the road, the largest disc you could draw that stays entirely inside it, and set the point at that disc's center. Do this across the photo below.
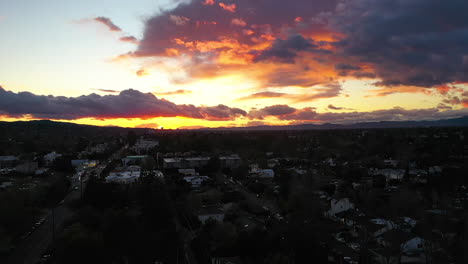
(270, 204)
(31, 249)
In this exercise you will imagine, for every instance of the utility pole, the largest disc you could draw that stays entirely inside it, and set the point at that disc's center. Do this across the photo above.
(53, 225)
(81, 187)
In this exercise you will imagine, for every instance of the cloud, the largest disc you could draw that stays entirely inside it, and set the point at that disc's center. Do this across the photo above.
(330, 106)
(180, 91)
(208, 2)
(422, 43)
(267, 20)
(263, 95)
(256, 123)
(127, 104)
(346, 67)
(108, 23)
(418, 43)
(329, 90)
(286, 50)
(255, 40)
(130, 39)
(228, 7)
(442, 106)
(148, 125)
(141, 72)
(105, 90)
(394, 114)
(238, 22)
(274, 110)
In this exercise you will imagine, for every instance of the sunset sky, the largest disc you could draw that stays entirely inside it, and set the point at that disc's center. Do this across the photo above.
(212, 63)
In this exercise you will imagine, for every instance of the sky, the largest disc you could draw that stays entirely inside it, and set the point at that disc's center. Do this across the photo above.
(212, 63)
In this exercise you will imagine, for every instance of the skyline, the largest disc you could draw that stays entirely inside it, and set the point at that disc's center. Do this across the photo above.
(214, 63)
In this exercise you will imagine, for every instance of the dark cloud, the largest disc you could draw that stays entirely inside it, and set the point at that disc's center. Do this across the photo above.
(361, 75)
(329, 90)
(221, 112)
(442, 106)
(264, 95)
(108, 23)
(105, 90)
(395, 114)
(291, 77)
(127, 104)
(421, 42)
(274, 110)
(263, 18)
(330, 106)
(346, 67)
(285, 50)
(130, 39)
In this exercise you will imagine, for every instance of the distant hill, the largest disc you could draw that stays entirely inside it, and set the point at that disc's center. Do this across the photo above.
(455, 122)
(51, 129)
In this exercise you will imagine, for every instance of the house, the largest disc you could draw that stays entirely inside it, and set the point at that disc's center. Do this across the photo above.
(231, 162)
(143, 145)
(197, 162)
(378, 227)
(124, 177)
(413, 245)
(99, 148)
(41, 171)
(210, 212)
(27, 167)
(51, 157)
(185, 163)
(172, 163)
(132, 160)
(390, 162)
(188, 172)
(8, 161)
(226, 260)
(196, 181)
(338, 206)
(256, 172)
(390, 174)
(5, 185)
(385, 256)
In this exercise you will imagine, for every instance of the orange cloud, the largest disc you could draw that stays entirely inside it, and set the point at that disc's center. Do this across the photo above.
(238, 22)
(230, 8)
(209, 2)
(180, 91)
(444, 89)
(384, 91)
(142, 72)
